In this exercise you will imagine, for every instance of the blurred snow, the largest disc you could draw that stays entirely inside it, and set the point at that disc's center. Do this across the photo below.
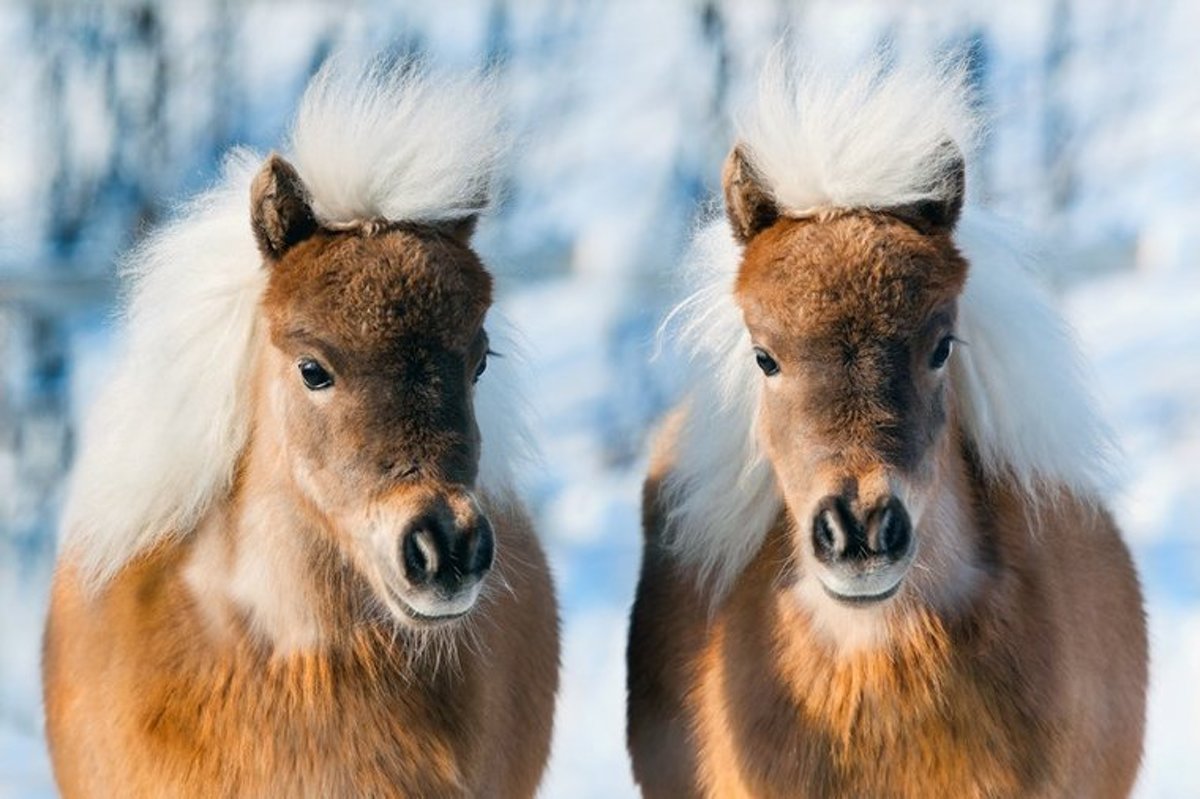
(24, 767)
(1142, 334)
(622, 113)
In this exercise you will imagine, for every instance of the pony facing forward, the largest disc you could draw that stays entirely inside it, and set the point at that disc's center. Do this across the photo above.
(876, 562)
(293, 562)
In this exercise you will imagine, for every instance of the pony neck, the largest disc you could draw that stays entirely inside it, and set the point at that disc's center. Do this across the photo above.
(257, 562)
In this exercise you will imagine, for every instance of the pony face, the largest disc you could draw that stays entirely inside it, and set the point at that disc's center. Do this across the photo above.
(376, 342)
(851, 315)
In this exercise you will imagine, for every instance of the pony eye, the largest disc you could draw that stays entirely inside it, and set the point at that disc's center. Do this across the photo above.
(314, 375)
(941, 353)
(765, 362)
(483, 362)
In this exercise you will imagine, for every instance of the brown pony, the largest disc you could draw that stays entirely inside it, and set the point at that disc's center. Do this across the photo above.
(877, 566)
(286, 572)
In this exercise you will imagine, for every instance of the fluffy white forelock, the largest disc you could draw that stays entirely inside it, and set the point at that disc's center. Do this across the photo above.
(163, 439)
(873, 137)
(400, 144)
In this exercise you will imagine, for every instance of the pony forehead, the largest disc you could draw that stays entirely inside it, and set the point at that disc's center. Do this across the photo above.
(365, 290)
(862, 269)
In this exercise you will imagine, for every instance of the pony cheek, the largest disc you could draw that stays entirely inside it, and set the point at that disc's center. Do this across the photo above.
(308, 478)
(773, 432)
(786, 446)
(916, 487)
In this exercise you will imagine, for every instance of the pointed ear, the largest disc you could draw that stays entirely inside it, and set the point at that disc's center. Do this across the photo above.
(279, 209)
(748, 202)
(940, 214)
(461, 230)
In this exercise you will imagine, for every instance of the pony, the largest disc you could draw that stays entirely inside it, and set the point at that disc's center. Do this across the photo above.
(876, 559)
(294, 562)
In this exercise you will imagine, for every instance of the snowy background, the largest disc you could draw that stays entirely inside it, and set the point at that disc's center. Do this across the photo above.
(110, 113)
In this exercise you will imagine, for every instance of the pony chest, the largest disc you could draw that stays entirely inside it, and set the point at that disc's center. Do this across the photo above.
(877, 730)
(308, 721)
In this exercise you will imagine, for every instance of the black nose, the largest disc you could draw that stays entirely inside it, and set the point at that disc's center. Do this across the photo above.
(839, 534)
(435, 552)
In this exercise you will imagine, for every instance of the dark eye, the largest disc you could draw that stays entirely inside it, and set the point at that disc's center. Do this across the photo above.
(481, 368)
(765, 362)
(314, 375)
(941, 353)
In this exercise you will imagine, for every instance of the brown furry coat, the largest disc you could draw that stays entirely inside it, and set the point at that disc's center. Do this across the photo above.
(144, 699)
(1035, 689)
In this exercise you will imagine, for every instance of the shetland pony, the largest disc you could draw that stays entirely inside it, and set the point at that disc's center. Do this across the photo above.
(876, 562)
(293, 561)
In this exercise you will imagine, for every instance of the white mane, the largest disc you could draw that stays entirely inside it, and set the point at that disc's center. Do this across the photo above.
(396, 145)
(870, 138)
(1018, 382)
(163, 439)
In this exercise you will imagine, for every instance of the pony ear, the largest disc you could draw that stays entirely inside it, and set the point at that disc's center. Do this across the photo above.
(940, 214)
(461, 230)
(748, 202)
(279, 209)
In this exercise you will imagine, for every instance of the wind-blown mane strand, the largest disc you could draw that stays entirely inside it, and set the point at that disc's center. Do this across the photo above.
(722, 485)
(163, 437)
(162, 442)
(1021, 387)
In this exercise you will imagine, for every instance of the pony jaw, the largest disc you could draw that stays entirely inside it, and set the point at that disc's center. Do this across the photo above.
(868, 588)
(417, 610)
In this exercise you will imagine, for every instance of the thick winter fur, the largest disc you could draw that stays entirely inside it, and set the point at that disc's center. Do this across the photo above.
(1021, 392)
(149, 695)
(164, 436)
(1010, 661)
(1035, 688)
(235, 612)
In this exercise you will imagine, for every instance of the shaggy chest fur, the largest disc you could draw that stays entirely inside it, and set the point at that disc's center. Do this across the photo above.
(350, 722)
(935, 714)
(913, 722)
(148, 702)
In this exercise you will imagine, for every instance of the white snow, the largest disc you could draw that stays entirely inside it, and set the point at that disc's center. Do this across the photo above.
(622, 119)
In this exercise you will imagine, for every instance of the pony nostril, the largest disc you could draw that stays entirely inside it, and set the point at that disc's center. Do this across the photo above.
(481, 549)
(827, 543)
(893, 534)
(420, 556)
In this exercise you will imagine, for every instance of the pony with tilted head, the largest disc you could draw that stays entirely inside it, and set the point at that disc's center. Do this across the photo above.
(876, 560)
(294, 562)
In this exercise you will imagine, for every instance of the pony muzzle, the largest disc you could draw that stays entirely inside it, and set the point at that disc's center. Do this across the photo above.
(863, 555)
(442, 555)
